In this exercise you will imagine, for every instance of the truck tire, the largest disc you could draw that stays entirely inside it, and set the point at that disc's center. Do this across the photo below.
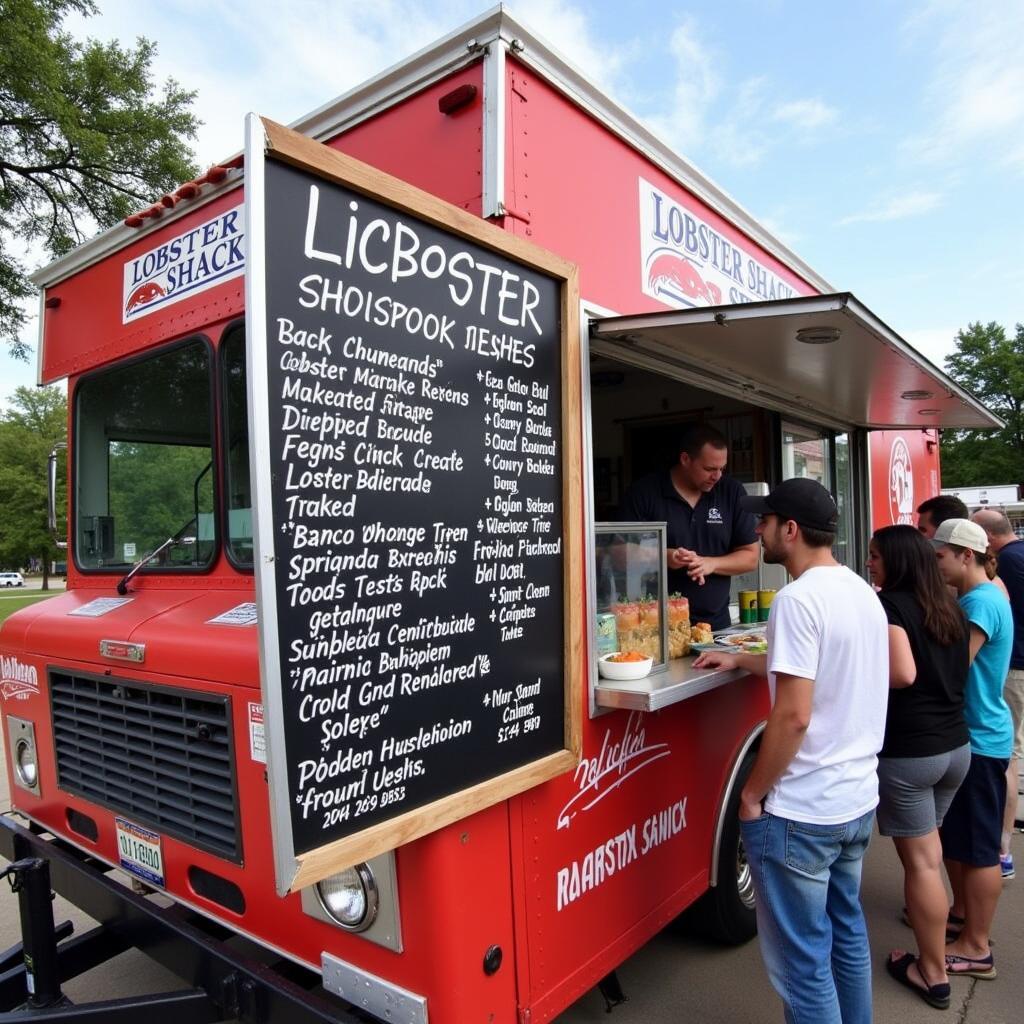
(726, 913)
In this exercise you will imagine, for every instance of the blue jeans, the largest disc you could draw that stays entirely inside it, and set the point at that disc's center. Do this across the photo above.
(809, 919)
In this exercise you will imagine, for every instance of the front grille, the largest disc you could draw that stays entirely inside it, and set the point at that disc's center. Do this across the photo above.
(162, 757)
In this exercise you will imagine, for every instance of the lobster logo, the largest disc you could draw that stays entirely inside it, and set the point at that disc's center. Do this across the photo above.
(143, 296)
(679, 278)
(901, 484)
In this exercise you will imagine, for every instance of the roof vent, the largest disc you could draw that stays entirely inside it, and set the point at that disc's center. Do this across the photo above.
(917, 396)
(818, 335)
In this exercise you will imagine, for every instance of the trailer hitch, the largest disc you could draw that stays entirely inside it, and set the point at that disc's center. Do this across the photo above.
(30, 880)
(33, 985)
(227, 984)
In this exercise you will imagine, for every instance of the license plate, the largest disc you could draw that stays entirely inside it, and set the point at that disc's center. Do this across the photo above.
(139, 851)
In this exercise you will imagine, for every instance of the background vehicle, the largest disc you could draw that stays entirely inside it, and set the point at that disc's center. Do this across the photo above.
(11, 579)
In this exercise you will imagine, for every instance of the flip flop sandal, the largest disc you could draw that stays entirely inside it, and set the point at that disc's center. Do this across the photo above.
(983, 967)
(936, 996)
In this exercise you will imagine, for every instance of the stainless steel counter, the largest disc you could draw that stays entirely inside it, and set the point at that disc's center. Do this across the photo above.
(679, 681)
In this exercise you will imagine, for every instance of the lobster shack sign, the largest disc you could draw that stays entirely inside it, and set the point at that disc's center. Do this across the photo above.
(185, 265)
(685, 261)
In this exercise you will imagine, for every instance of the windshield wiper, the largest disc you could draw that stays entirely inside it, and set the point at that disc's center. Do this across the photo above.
(122, 586)
(178, 538)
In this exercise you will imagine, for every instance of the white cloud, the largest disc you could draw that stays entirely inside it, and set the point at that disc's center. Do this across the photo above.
(740, 138)
(1015, 158)
(281, 60)
(910, 204)
(568, 30)
(778, 223)
(679, 117)
(934, 343)
(735, 122)
(285, 60)
(976, 89)
(806, 114)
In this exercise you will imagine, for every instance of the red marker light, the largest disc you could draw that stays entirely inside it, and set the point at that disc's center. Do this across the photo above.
(190, 190)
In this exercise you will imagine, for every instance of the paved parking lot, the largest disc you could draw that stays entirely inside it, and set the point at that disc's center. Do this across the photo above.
(677, 977)
(33, 583)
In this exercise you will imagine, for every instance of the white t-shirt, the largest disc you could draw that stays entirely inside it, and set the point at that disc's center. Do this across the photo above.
(829, 626)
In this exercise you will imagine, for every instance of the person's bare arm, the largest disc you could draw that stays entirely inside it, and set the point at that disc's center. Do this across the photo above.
(736, 562)
(755, 664)
(902, 668)
(787, 723)
(976, 641)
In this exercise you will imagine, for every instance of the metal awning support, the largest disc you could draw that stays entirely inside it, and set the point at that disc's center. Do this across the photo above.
(825, 356)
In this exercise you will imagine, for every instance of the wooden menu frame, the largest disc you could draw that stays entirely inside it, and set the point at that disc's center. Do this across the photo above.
(266, 140)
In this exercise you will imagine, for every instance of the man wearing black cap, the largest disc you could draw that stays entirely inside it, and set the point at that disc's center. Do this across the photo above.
(807, 808)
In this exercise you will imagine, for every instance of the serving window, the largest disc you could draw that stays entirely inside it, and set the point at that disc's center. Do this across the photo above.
(637, 412)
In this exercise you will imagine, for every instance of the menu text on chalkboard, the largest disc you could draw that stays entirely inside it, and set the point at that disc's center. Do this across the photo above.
(408, 425)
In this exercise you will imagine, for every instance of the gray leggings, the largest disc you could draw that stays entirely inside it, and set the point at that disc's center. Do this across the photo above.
(914, 793)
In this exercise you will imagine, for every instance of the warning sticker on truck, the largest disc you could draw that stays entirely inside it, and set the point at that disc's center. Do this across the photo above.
(257, 735)
(240, 615)
(99, 606)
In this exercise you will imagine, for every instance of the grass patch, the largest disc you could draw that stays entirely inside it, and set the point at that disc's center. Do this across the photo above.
(9, 605)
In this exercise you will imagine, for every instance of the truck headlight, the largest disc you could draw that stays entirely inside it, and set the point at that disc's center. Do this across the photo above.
(21, 742)
(350, 897)
(25, 765)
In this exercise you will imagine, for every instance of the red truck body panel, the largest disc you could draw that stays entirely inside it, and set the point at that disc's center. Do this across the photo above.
(904, 472)
(576, 874)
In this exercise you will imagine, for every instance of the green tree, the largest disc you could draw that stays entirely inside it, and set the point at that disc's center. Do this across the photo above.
(158, 491)
(35, 422)
(991, 366)
(84, 140)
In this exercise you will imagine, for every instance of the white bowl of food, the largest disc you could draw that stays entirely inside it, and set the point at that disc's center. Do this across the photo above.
(624, 665)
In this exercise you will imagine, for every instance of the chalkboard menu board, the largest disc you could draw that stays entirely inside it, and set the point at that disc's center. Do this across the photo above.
(412, 491)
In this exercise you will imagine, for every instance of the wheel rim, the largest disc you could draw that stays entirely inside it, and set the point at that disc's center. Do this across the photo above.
(744, 879)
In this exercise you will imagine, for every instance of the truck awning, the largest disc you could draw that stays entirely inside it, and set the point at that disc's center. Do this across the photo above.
(823, 355)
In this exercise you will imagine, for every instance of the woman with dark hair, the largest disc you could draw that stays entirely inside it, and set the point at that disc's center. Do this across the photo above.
(926, 753)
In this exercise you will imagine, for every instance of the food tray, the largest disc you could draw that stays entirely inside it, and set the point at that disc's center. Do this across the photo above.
(721, 638)
(743, 639)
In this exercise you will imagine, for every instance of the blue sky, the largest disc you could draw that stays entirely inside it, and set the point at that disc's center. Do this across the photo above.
(883, 141)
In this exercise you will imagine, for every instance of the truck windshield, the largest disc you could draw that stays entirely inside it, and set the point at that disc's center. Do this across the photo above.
(143, 462)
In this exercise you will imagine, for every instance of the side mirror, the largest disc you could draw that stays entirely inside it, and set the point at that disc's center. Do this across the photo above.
(51, 497)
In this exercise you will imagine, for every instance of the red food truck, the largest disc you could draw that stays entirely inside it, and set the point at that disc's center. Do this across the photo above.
(350, 418)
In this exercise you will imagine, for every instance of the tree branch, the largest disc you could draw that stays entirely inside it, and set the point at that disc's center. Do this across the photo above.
(38, 168)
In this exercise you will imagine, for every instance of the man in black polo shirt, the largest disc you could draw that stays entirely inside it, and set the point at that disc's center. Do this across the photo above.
(931, 514)
(709, 537)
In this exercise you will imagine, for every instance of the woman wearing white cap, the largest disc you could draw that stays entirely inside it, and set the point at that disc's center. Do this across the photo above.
(972, 829)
